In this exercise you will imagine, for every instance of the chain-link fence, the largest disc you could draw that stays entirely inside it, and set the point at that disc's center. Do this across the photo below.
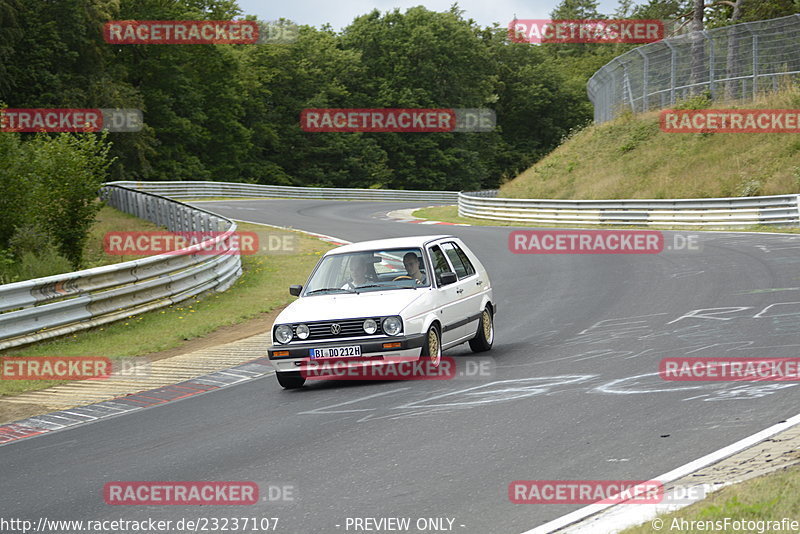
(732, 62)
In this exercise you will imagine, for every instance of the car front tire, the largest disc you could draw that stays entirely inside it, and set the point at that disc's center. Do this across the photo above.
(485, 337)
(290, 379)
(432, 349)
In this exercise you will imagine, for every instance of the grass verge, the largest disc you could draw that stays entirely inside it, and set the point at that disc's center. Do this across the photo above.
(112, 220)
(450, 214)
(262, 287)
(768, 498)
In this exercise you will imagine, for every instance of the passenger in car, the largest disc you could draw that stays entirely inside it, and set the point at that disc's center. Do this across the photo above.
(411, 262)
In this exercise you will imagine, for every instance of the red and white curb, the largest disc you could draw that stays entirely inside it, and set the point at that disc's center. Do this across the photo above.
(405, 216)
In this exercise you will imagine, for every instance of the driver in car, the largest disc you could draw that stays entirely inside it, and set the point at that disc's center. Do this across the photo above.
(359, 272)
(411, 263)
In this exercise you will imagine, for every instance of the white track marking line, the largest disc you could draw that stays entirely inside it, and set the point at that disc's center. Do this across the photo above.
(327, 409)
(312, 234)
(671, 476)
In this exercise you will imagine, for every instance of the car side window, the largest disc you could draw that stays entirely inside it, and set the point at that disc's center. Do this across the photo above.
(459, 260)
(440, 264)
(465, 259)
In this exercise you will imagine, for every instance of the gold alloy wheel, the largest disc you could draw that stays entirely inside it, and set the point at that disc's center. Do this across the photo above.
(488, 327)
(434, 352)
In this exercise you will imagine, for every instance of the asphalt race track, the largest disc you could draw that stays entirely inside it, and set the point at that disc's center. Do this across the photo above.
(575, 394)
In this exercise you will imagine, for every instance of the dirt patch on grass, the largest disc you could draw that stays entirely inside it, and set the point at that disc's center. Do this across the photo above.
(225, 334)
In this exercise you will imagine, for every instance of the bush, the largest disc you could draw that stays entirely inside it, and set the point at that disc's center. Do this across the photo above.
(6, 267)
(699, 101)
(48, 198)
(32, 254)
(65, 173)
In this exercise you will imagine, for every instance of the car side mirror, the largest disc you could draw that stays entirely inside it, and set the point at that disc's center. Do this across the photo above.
(448, 278)
(295, 290)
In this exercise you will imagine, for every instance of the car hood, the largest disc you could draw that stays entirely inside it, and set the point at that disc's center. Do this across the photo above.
(348, 305)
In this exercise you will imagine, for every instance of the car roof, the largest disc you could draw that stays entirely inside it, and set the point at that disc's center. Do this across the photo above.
(397, 242)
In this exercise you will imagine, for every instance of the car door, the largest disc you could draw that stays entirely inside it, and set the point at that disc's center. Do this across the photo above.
(469, 291)
(449, 303)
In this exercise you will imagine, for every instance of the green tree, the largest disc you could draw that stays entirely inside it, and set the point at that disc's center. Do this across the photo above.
(14, 189)
(767, 9)
(284, 79)
(539, 101)
(424, 59)
(10, 33)
(65, 173)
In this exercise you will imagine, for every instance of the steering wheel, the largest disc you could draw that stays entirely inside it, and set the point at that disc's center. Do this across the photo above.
(402, 277)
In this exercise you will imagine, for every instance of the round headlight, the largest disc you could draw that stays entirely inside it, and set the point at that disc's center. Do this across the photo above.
(283, 334)
(370, 326)
(392, 325)
(302, 331)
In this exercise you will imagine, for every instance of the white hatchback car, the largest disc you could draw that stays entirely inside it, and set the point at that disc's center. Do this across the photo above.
(369, 303)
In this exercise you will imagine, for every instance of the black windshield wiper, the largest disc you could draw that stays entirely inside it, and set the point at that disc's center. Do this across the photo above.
(380, 286)
(326, 289)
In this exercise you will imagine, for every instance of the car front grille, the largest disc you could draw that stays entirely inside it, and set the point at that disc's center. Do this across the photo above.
(349, 328)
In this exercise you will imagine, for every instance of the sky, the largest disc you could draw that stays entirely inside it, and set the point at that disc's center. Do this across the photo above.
(340, 13)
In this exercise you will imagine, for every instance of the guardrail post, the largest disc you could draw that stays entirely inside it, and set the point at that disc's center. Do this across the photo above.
(184, 219)
(160, 210)
(124, 204)
(797, 199)
(169, 217)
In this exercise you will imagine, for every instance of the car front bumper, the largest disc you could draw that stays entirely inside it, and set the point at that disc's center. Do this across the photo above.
(372, 352)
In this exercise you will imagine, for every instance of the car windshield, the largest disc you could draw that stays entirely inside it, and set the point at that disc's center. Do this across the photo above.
(373, 270)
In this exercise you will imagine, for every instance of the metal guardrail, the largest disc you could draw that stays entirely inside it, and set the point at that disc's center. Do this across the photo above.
(732, 62)
(43, 308)
(719, 212)
(232, 189)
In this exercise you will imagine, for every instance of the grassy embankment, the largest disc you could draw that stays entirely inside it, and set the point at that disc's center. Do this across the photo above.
(768, 498)
(631, 157)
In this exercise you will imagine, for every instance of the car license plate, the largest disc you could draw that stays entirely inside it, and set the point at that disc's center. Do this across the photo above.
(337, 352)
